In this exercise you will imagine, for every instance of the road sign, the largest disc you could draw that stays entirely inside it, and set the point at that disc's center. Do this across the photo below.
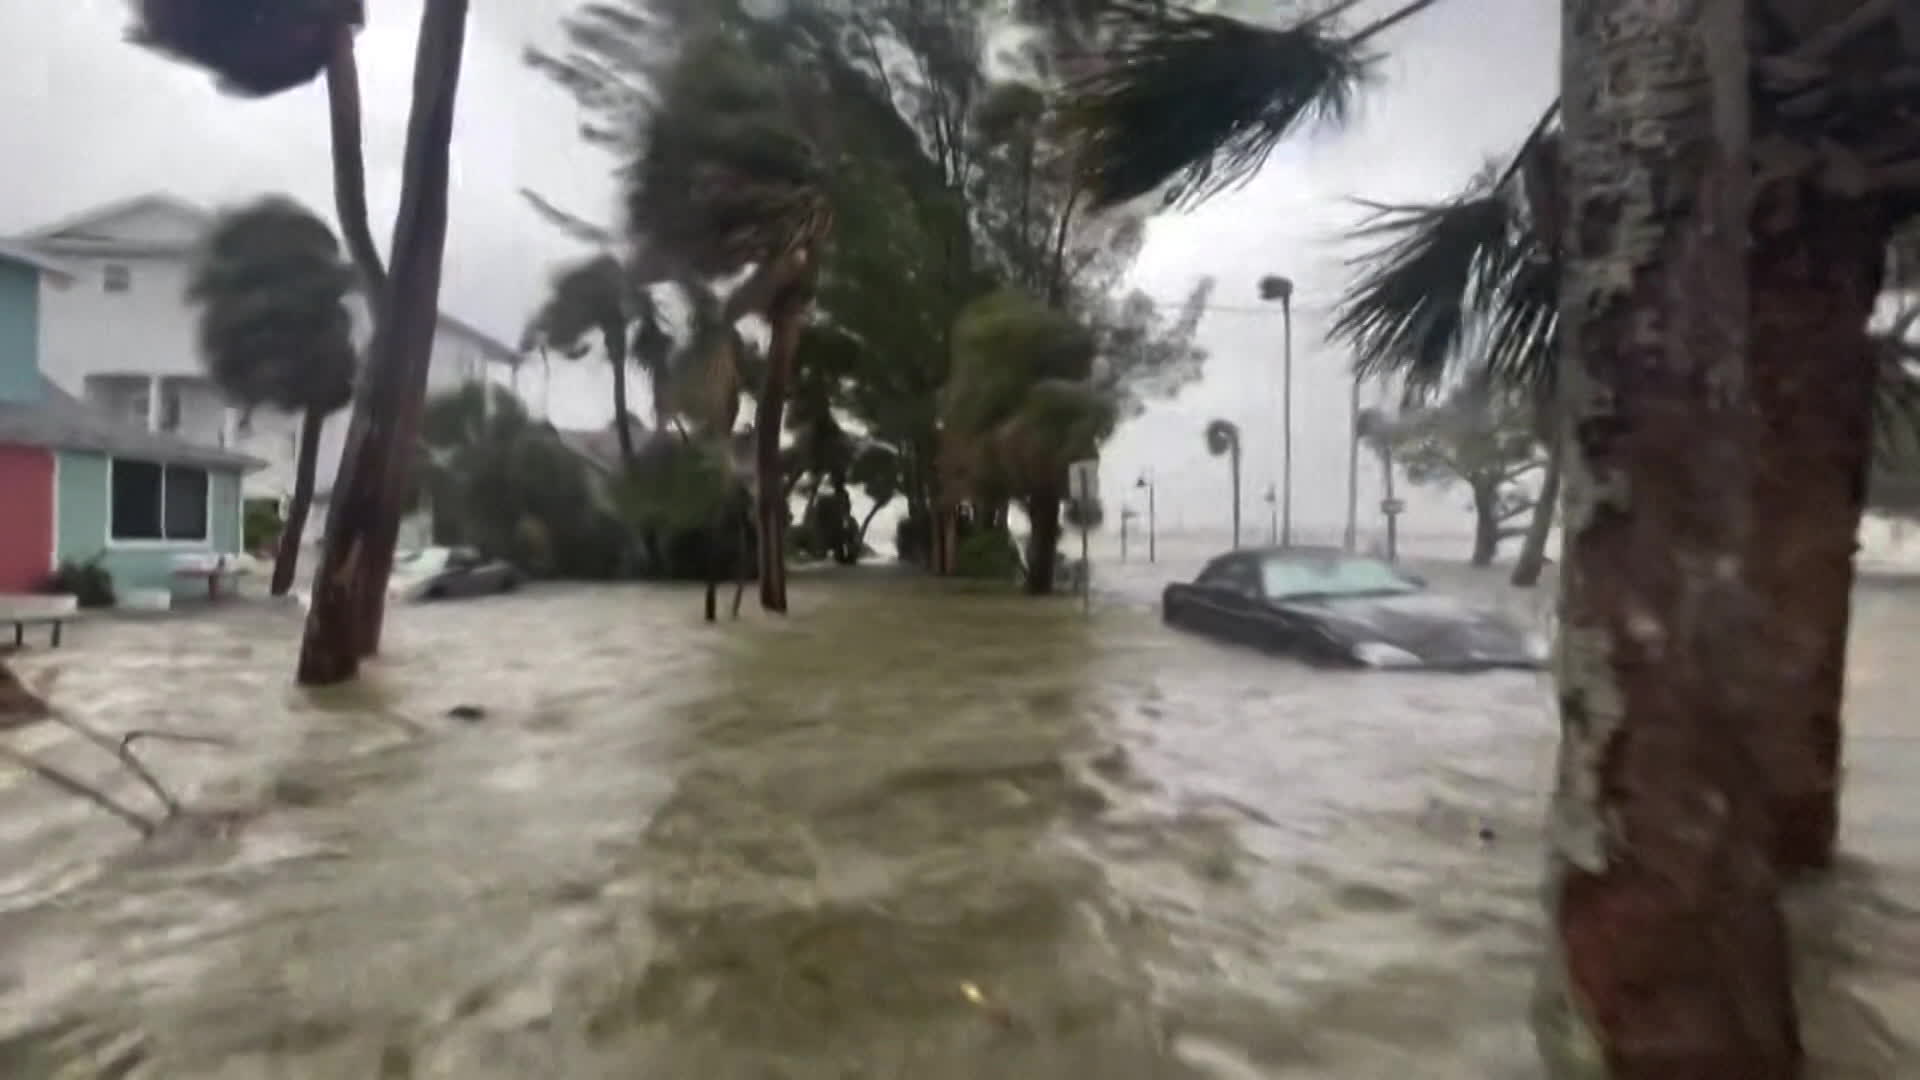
(1393, 506)
(1083, 480)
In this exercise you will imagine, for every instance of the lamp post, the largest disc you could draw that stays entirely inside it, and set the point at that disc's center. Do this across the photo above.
(1353, 468)
(1273, 516)
(1127, 514)
(1145, 483)
(1275, 287)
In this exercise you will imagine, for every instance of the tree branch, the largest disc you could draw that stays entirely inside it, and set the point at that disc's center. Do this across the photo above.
(350, 166)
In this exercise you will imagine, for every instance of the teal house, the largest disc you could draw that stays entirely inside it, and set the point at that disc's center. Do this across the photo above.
(77, 484)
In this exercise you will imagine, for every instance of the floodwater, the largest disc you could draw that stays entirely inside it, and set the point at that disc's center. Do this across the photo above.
(908, 832)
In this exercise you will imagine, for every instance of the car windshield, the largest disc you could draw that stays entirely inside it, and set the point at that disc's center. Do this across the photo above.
(1291, 576)
(425, 561)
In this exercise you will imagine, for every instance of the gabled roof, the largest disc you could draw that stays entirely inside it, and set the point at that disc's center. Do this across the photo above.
(75, 233)
(60, 421)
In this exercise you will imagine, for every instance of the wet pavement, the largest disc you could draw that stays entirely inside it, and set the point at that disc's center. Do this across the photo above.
(910, 831)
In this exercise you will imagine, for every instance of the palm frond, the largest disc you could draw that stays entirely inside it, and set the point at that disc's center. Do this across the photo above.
(1434, 268)
(1223, 437)
(1194, 102)
(254, 48)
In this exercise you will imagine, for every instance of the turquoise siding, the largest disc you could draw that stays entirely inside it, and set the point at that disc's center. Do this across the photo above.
(19, 331)
(82, 516)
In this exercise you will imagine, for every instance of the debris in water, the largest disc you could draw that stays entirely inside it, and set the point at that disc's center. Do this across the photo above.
(996, 1012)
(469, 713)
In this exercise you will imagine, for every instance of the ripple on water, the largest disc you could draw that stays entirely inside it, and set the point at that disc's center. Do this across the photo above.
(904, 832)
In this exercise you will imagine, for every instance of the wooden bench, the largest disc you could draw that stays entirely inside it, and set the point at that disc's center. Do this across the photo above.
(53, 612)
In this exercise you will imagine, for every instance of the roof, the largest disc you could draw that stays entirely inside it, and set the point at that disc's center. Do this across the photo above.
(60, 421)
(47, 235)
(26, 256)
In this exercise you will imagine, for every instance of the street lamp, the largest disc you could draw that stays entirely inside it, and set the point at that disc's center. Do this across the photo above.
(1273, 516)
(1127, 514)
(1145, 483)
(1275, 287)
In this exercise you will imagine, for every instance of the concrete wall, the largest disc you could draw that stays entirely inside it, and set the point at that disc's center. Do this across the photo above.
(26, 524)
(83, 506)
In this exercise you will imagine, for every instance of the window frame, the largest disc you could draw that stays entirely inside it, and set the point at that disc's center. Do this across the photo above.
(162, 542)
(112, 272)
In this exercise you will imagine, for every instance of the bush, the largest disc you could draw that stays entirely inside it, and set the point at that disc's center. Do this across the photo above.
(88, 582)
(988, 555)
(261, 526)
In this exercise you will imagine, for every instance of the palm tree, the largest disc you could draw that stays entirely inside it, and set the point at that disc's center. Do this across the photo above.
(1223, 440)
(599, 296)
(262, 47)
(275, 332)
(1019, 407)
(729, 180)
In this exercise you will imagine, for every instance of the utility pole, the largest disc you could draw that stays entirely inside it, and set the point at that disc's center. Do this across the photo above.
(1353, 468)
(1146, 483)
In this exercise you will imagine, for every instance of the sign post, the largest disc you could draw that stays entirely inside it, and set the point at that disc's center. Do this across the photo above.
(1083, 481)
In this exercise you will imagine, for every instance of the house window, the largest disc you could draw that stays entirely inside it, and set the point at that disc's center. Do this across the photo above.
(158, 502)
(118, 277)
(169, 406)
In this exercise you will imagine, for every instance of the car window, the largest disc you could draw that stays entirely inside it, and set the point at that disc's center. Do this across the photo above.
(1234, 575)
(1334, 575)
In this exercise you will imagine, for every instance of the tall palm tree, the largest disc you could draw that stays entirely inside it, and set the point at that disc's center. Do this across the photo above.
(598, 296)
(730, 179)
(275, 332)
(1223, 440)
(262, 47)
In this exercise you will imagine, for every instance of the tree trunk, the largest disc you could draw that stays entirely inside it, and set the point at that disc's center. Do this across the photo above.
(616, 345)
(1533, 551)
(1486, 525)
(785, 314)
(350, 167)
(363, 520)
(1043, 542)
(1234, 464)
(1816, 271)
(286, 560)
(1669, 958)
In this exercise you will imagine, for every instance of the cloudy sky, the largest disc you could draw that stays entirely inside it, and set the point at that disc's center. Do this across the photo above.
(90, 120)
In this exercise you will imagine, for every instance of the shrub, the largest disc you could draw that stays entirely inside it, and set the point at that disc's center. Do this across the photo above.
(261, 526)
(988, 555)
(88, 582)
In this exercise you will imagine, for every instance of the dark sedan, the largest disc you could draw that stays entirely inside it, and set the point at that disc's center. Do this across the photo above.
(1330, 607)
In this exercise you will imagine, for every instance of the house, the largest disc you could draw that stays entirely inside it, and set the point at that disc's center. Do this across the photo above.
(118, 333)
(79, 484)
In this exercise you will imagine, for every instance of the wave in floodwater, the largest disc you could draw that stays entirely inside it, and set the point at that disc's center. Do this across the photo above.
(909, 831)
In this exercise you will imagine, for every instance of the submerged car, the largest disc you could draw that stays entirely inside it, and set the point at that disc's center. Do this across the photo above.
(436, 573)
(1331, 607)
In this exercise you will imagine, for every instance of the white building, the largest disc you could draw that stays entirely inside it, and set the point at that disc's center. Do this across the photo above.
(120, 334)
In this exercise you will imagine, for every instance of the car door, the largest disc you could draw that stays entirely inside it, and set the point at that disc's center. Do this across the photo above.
(1222, 598)
(1241, 611)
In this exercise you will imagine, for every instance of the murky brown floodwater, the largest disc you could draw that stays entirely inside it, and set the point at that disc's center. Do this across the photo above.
(906, 833)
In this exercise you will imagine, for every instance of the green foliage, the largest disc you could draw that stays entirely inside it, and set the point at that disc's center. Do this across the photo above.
(261, 523)
(87, 582)
(254, 47)
(677, 486)
(499, 480)
(1484, 438)
(987, 555)
(274, 328)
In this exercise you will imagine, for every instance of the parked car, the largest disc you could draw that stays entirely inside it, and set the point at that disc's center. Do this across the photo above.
(435, 573)
(1330, 607)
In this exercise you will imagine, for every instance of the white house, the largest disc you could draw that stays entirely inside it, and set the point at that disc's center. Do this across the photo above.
(119, 333)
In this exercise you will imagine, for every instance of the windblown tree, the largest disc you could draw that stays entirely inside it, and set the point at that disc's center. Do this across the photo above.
(1483, 439)
(1192, 103)
(262, 47)
(275, 333)
(1223, 440)
(1019, 408)
(927, 176)
(598, 297)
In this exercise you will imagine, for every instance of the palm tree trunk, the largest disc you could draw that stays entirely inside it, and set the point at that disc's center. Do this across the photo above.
(1533, 552)
(350, 167)
(785, 315)
(1043, 542)
(1234, 464)
(286, 559)
(363, 520)
(1812, 378)
(616, 345)
(1669, 954)
(1486, 524)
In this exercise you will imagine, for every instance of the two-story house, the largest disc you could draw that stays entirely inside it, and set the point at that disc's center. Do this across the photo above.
(78, 484)
(118, 332)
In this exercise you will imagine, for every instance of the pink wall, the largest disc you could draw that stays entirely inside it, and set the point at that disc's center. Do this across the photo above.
(26, 517)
